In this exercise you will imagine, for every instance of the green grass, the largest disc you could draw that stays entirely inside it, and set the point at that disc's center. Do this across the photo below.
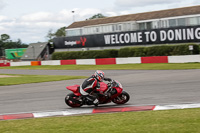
(156, 66)
(25, 79)
(170, 121)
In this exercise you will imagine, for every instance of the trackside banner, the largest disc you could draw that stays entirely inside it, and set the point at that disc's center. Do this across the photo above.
(156, 36)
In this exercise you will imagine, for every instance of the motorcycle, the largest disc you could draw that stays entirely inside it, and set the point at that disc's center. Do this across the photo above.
(118, 95)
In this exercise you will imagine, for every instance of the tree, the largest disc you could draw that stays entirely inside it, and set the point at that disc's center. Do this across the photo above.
(50, 35)
(6, 43)
(59, 33)
(99, 15)
(4, 37)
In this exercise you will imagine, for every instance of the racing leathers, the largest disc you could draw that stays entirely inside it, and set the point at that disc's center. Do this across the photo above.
(89, 87)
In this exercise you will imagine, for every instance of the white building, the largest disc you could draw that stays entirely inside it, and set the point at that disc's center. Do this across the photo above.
(158, 27)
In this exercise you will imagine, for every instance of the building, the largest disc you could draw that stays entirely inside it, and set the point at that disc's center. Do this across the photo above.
(180, 25)
(38, 52)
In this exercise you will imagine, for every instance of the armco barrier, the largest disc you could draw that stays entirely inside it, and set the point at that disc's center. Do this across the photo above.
(184, 59)
(35, 63)
(52, 62)
(68, 62)
(85, 62)
(129, 60)
(25, 63)
(108, 61)
(4, 64)
(155, 59)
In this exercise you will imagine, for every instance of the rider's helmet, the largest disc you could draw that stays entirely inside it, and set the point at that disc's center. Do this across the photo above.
(99, 75)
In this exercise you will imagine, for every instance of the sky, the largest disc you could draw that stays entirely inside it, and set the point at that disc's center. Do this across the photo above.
(31, 20)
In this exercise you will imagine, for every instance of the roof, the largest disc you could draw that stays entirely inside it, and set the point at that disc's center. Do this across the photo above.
(140, 16)
(34, 50)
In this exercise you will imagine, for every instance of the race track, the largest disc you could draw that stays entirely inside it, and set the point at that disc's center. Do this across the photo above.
(146, 87)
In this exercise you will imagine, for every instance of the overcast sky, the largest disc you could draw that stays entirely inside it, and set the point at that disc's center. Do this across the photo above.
(30, 20)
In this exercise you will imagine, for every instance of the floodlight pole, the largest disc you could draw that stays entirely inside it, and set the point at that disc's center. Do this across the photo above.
(73, 16)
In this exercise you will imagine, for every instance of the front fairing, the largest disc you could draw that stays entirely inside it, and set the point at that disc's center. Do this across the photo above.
(104, 87)
(118, 87)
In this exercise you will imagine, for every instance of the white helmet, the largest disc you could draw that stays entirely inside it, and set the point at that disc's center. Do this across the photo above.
(99, 75)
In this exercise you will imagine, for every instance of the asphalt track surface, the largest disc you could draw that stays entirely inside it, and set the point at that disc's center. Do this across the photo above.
(146, 87)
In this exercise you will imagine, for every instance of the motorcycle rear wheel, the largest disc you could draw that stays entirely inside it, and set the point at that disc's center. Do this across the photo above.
(71, 103)
(122, 98)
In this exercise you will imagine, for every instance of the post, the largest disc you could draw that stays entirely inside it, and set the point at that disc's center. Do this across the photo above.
(73, 16)
(191, 48)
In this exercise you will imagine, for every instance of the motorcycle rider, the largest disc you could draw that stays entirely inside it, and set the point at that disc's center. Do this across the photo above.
(91, 85)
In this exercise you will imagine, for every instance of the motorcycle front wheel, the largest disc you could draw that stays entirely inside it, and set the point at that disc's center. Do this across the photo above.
(122, 98)
(73, 100)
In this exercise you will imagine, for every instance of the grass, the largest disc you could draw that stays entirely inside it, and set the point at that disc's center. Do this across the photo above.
(25, 79)
(156, 66)
(169, 121)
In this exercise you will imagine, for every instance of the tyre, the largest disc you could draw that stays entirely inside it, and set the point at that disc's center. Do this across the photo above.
(122, 98)
(73, 100)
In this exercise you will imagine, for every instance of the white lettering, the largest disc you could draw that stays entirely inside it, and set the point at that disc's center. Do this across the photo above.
(190, 34)
(133, 37)
(112, 39)
(178, 35)
(197, 33)
(127, 38)
(153, 36)
(120, 38)
(163, 35)
(184, 34)
(70, 43)
(139, 36)
(116, 38)
(107, 39)
(147, 36)
(170, 35)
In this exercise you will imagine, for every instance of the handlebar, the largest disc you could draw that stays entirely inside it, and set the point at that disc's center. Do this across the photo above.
(115, 83)
(111, 83)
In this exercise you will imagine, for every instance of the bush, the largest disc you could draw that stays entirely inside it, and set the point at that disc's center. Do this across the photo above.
(112, 53)
(163, 50)
(184, 49)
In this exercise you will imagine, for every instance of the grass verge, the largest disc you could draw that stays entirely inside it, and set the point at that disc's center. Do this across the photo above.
(153, 66)
(169, 121)
(25, 79)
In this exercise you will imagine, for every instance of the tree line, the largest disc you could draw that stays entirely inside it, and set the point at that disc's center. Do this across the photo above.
(7, 43)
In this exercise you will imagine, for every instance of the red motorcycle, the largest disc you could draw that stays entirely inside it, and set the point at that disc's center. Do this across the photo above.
(115, 88)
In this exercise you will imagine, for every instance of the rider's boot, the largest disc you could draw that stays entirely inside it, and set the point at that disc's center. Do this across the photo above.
(93, 100)
(96, 102)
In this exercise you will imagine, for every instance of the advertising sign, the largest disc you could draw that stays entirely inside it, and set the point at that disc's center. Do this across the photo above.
(155, 36)
(15, 53)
